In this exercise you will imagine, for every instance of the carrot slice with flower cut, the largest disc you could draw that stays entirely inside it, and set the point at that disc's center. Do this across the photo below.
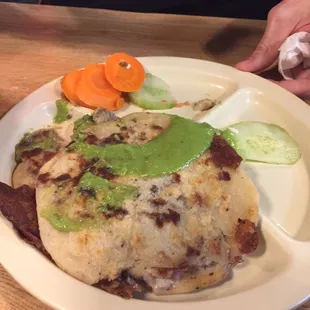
(94, 89)
(124, 72)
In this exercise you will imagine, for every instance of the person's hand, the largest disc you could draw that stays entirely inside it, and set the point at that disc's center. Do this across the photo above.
(284, 19)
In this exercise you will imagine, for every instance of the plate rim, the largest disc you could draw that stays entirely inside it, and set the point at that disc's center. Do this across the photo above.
(219, 303)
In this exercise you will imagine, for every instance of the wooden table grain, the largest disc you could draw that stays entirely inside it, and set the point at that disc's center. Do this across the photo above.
(40, 43)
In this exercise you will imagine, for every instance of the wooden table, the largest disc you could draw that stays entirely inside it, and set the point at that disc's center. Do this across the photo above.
(40, 43)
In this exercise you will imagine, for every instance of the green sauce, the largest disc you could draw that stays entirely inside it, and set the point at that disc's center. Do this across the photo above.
(80, 125)
(62, 113)
(104, 197)
(181, 143)
(106, 192)
(43, 139)
(63, 222)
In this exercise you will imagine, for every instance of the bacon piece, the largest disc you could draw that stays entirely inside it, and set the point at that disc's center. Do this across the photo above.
(223, 155)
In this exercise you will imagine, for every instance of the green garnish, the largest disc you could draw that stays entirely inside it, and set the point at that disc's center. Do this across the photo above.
(107, 193)
(43, 139)
(62, 113)
(181, 143)
(80, 125)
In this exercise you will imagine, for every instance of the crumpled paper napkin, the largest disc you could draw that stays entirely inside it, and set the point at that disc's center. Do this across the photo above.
(293, 52)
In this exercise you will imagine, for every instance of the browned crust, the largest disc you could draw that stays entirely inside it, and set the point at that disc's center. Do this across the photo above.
(223, 155)
(223, 176)
(125, 285)
(246, 236)
(161, 218)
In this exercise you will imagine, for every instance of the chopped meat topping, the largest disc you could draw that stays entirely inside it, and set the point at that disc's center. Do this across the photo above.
(192, 252)
(44, 178)
(246, 236)
(154, 189)
(182, 198)
(158, 201)
(166, 217)
(87, 164)
(75, 181)
(92, 139)
(124, 286)
(176, 178)
(113, 139)
(118, 213)
(31, 153)
(88, 191)
(142, 136)
(223, 155)
(223, 176)
(157, 127)
(198, 199)
(63, 177)
(102, 172)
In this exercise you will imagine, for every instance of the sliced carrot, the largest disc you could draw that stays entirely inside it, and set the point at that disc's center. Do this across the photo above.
(120, 102)
(68, 86)
(94, 89)
(124, 72)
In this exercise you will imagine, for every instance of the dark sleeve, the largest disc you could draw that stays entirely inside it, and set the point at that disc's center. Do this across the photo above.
(256, 9)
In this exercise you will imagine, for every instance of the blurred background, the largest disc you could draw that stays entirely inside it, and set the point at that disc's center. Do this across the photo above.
(255, 9)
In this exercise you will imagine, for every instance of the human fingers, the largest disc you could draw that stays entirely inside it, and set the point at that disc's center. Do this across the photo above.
(300, 88)
(277, 30)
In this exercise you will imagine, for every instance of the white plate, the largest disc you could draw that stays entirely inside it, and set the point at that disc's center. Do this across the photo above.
(276, 276)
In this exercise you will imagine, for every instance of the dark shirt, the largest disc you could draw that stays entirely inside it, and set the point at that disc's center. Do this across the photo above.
(255, 9)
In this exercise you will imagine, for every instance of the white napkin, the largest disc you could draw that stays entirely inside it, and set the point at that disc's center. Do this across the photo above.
(294, 51)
